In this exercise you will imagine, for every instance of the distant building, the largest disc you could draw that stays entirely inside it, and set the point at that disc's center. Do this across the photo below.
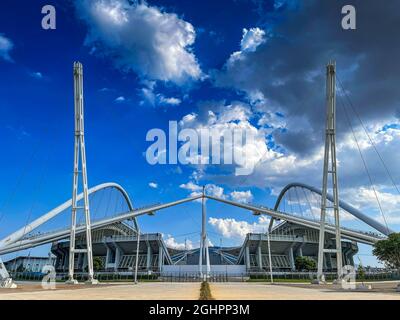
(28, 263)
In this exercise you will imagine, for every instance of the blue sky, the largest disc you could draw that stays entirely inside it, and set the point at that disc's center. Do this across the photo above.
(257, 64)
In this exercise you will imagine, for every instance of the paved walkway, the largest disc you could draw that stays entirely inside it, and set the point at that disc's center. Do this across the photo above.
(144, 291)
(262, 291)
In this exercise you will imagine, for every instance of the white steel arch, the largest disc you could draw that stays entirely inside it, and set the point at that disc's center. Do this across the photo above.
(14, 237)
(342, 204)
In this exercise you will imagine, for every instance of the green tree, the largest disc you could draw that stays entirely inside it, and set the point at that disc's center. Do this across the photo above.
(388, 250)
(305, 263)
(361, 272)
(98, 264)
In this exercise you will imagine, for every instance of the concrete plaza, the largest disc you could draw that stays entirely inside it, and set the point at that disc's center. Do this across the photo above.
(126, 291)
(262, 291)
(191, 290)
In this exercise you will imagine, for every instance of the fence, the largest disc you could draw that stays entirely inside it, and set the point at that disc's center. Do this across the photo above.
(384, 275)
(196, 277)
(101, 276)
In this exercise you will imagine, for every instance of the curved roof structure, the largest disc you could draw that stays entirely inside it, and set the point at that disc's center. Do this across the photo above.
(344, 205)
(20, 240)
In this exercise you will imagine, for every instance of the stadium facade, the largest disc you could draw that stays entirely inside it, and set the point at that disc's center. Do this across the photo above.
(115, 247)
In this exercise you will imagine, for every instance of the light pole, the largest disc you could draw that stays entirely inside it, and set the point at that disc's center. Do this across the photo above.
(271, 222)
(137, 253)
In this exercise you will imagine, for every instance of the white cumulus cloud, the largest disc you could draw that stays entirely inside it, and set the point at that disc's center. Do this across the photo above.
(172, 243)
(153, 43)
(190, 186)
(120, 99)
(251, 39)
(153, 185)
(242, 196)
(169, 101)
(237, 229)
(210, 189)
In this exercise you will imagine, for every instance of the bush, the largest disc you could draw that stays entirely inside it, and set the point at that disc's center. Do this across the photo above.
(98, 264)
(361, 272)
(305, 264)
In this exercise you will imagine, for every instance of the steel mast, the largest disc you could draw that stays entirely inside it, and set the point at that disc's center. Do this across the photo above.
(330, 171)
(80, 159)
(203, 253)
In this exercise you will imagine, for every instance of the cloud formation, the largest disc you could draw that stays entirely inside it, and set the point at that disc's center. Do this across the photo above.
(242, 196)
(251, 39)
(286, 72)
(171, 242)
(6, 45)
(141, 38)
(275, 168)
(210, 189)
(153, 185)
(37, 75)
(120, 99)
(237, 229)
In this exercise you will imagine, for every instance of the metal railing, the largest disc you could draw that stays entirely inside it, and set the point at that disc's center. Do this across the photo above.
(279, 276)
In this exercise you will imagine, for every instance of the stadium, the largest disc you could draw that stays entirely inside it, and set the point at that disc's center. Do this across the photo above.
(115, 247)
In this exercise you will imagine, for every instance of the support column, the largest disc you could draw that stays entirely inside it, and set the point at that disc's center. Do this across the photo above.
(260, 265)
(325, 264)
(61, 265)
(149, 254)
(118, 255)
(160, 258)
(291, 258)
(66, 258)
(344, 256)
(108, 256)
(247, 251)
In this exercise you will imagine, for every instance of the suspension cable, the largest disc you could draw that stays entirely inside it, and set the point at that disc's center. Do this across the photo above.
(38, 189)
(290, 201)
(298, 202)
(363, 160)
(369, 137)
(24, 171)
(309, 204)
